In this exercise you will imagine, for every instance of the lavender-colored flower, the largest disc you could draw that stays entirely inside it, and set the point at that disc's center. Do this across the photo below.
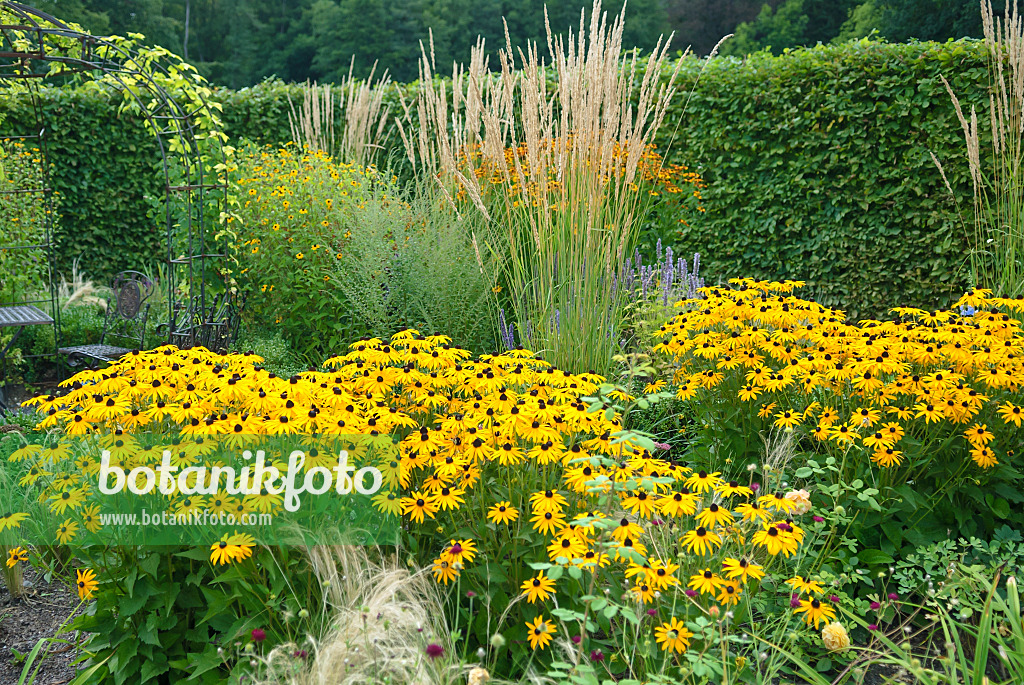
(505, 331)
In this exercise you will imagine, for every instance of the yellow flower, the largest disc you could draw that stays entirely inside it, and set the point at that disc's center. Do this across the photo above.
(1011, 413)
(12, 520)
(231, 548)
(729, 593)
(741, 569)
(419, 505)
(705, 582)
(540, 632)
(66, 532)
(539, 587)
(85, 582)
(815, 611)
(444, 570)
(701, 541)
(805, 586)
(16, 555)
(300, 256)
(673, 636)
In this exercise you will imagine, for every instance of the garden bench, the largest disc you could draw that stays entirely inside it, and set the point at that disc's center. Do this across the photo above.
(18, 316)
(124, 319)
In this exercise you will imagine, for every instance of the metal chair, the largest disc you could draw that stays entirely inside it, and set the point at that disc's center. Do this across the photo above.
(124, 320)
(214, 327)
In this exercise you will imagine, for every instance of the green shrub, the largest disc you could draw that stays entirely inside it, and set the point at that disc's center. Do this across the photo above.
(329, 252)
(22, 222)
(278, 356)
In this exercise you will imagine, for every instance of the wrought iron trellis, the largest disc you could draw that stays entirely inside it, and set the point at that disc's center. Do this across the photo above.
(36, 48)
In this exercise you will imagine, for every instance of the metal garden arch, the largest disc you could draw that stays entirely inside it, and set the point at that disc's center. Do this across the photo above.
(36, 48)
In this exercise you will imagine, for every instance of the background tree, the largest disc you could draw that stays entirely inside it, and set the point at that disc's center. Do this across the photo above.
(237, 43)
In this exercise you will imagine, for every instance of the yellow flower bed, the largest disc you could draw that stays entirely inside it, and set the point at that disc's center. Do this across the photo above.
(895, 389)
(507, 478)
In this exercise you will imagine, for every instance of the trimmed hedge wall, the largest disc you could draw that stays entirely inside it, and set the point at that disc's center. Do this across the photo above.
(818, 169)
(817, 163)
(107, 174)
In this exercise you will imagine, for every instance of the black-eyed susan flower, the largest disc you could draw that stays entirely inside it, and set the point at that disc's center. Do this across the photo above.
(540, 632)
(805, 586)
(546, 522)
(705, 582)
(548, 500)
(677, 504)
(701, 541)
(733, 488)
(741, 569)
(673, 636)
(459, 551)
(502, 512)
(984, 457)
(85, 583)
(16, 555)
(11, 520)
(1011, 413)
(702, 481)
(567, 545)
(713, 516)
(815, 611)
(661, 574)
(729, 593)
(771, 538)
(444, 570)
(540, 587)
(887, 457)
(418, 506)
(66, 499)
(66, 532)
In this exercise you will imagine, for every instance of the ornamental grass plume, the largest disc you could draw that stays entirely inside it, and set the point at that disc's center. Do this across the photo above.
(563, 208)
(385, 621)
(997, 238)
(364, 116)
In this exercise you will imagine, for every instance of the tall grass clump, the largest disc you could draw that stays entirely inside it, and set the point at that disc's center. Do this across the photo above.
(547, 152)
(997, 176)
(358, 103)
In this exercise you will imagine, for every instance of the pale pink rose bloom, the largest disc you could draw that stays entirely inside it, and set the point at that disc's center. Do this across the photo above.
(802, 499)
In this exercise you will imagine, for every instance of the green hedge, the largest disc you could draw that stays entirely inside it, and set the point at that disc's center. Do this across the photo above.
(107, 171)
(818, 168)
(817, 163)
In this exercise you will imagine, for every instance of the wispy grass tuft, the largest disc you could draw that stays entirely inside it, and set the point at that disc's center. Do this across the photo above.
(383, 618)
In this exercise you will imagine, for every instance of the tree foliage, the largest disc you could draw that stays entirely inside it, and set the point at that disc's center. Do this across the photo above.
(238, 43)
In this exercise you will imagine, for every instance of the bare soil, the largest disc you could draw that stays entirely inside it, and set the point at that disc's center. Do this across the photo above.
(26, 620)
